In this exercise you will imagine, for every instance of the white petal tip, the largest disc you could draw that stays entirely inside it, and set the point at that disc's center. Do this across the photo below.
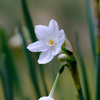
(52, 21)
(41, 62)
(46, 98)
(28, 47)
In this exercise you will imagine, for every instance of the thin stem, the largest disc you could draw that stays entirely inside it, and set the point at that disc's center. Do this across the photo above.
(61, 69)
(54, 85)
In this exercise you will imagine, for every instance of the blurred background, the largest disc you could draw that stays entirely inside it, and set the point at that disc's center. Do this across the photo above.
(71, 16)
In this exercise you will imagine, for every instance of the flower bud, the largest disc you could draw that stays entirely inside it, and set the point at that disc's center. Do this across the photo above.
(62, 57)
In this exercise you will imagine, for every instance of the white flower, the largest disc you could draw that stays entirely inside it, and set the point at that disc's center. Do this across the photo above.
(46, 98)
(50, 41)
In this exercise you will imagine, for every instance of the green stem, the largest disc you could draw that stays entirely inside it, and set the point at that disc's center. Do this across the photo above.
(56, 80)
(54, 85)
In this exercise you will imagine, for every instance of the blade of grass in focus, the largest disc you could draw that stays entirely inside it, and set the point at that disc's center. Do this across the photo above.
(33, 38)
(91, 29)
(31, 63)
(85, 83)
(10, 62)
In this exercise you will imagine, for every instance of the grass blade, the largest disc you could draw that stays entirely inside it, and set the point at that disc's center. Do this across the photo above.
(98, 68)
(91, 28)
(28, 20)
(6, 79)
(85, 83)
(33, 37)
(98, 77)
(10, 62)
(31, 62)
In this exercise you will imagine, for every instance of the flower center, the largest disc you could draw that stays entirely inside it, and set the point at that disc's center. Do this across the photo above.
(50, 41)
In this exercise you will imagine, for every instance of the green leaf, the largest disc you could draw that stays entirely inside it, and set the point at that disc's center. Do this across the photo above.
(31, 64)
(10, 62)
(33, 38)
(98, 77)
(28, 20)
(85, 82)
(91, 28)
(98, 68)
(5, 77)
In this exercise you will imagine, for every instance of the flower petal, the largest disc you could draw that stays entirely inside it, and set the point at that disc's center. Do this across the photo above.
(59, 41)
(61, 37)
(45, 57)
(53, 26)
(41, 31)
(37, 46)
(46, 98)
(56, 50)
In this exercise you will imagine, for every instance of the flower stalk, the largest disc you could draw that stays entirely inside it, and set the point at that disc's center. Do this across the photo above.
(54, 85)
(56, 80)
(72, 65)
(51, 95)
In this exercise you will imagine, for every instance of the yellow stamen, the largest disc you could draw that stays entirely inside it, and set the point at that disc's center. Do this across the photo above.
(51, 42)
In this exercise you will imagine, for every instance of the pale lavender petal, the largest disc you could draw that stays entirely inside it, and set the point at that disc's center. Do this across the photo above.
(53, 26)
(45, 57)
(59, 41)
(37, 47)
(41, 31)
(61, 37)
(56, 49)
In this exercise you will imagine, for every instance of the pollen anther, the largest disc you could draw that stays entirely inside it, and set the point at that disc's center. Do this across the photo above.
(51, 42)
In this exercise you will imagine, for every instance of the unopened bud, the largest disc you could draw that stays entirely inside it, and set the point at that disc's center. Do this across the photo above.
(62, 57)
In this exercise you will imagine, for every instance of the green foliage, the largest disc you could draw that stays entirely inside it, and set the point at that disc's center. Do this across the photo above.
(98, 77)
(33, 37)
(28, 20)
(83, 71)
(6, 79)
(31, 64)
(91, 28)
(8, 70)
